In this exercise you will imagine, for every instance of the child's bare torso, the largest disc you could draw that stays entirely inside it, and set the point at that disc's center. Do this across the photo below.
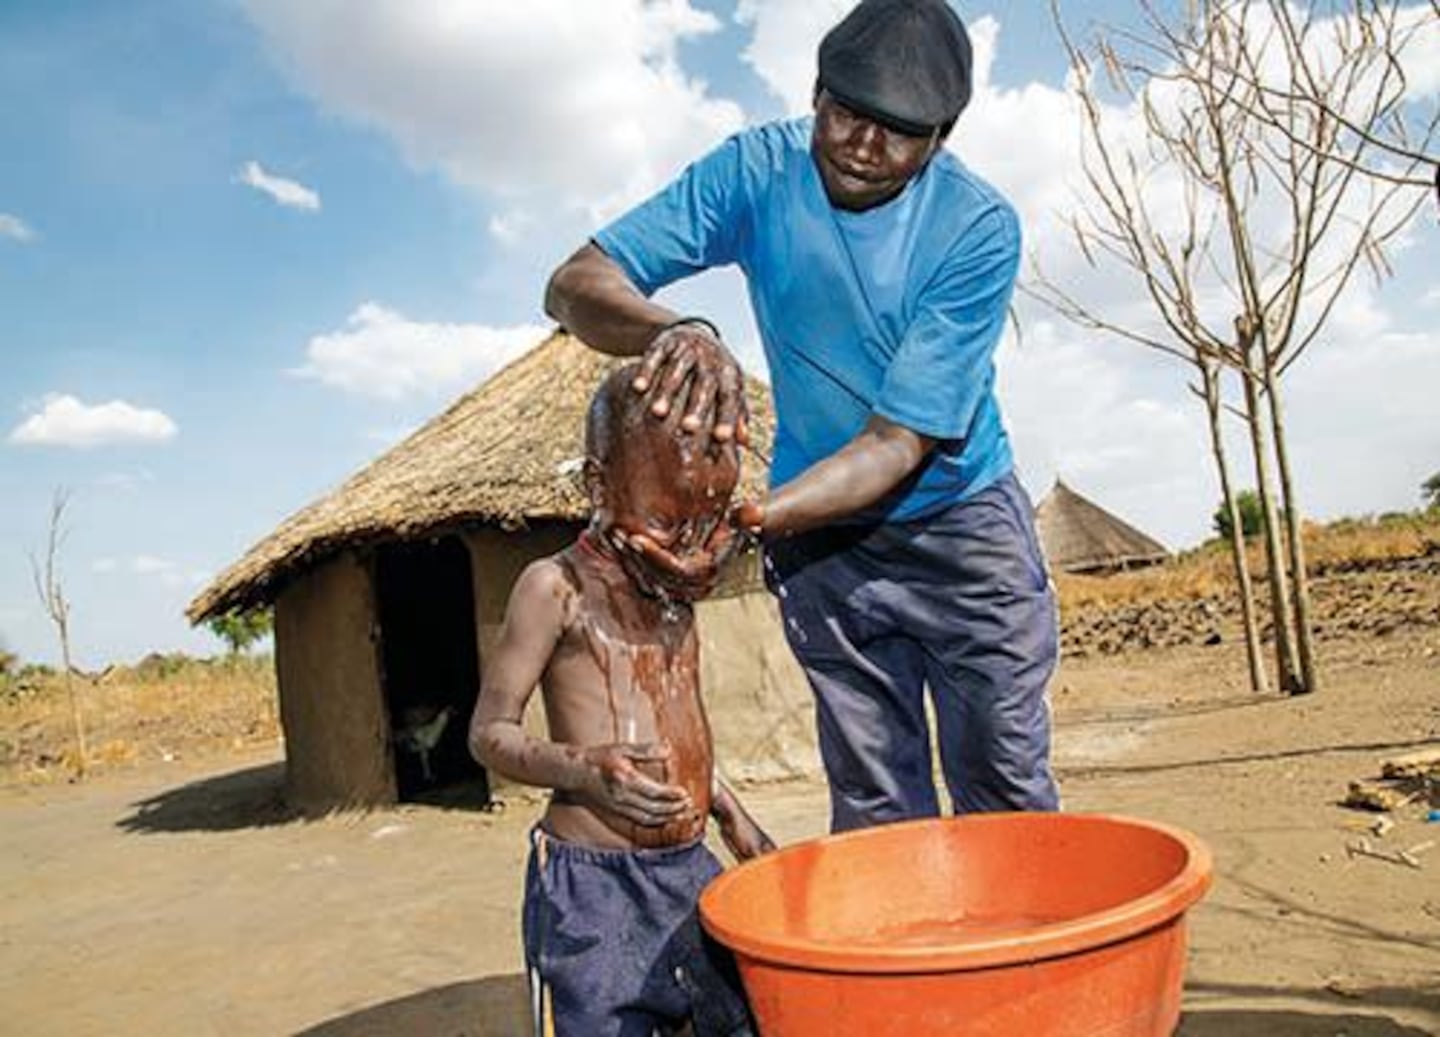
(626, 670)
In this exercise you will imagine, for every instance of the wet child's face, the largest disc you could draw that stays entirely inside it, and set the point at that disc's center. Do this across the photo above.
(657, 484)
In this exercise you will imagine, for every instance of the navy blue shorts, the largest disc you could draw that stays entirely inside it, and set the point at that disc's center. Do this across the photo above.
(959, 602)
(614, 948)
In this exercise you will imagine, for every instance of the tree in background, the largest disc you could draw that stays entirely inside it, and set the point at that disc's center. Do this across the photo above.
(57, 607)
(1243, 237)
(1430, 491)
(240, 630)
(1250, 512)
(1379, 38)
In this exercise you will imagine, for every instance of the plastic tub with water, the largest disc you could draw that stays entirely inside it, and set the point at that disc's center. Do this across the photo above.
(997, 925)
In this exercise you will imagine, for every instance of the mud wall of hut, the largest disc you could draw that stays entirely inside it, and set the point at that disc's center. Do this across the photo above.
(759, 703)
(761, 712)
(331, 704)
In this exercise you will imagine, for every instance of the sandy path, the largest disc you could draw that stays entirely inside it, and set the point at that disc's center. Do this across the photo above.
(179, 901)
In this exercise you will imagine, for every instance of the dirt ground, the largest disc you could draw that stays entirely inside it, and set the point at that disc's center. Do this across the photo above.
(180, 899)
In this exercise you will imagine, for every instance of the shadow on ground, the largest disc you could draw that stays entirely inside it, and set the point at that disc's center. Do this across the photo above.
(255, 798)
(1101, 770)
(1369, 1012)
(495, 1006)
(1239, 1022)
(252, 798)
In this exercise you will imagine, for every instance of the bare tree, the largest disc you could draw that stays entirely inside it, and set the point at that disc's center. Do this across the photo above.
(1210, 372)
(1334, 42)
(1244, 238)
(57, 607)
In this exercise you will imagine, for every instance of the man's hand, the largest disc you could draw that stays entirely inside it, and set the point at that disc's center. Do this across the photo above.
(688, 366)
(618, 783)
(748, 517)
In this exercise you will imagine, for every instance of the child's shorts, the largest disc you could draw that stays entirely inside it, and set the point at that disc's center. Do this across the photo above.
(613, 944)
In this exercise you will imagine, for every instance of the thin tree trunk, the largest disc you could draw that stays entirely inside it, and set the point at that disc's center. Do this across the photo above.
(1274, 554)
(52, 596)
(1304, 636)
(76, 718)
(1259, 682)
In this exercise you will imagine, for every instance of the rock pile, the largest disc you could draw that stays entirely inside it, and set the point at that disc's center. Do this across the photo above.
(1359, 600)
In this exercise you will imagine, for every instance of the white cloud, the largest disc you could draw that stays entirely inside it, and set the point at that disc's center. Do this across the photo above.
(15, 228)
(1115, 423)
(126, 482)
(786, 39)
(66, 421)
(1118, 421)
(146, 565)
(150, 567)
(556, 108)
(513, 227)
(1420, 57)
(381, 353)
(578, 106)
(289, 193)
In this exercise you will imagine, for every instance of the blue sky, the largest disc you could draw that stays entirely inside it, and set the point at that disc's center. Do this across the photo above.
(244, 246)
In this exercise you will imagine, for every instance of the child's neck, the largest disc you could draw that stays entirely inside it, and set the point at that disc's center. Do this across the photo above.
(641, 601)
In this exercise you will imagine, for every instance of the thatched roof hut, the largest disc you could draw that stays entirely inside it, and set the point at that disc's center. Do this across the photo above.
(390, 590)
(506, 454)
(1079, 536)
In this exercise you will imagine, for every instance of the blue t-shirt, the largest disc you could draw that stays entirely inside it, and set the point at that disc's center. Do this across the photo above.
(894, 311)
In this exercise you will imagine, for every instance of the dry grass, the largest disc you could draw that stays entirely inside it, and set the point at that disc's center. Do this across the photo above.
(1208, 572)
(165, 708)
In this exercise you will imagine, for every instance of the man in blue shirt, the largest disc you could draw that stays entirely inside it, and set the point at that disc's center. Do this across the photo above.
(898, 540)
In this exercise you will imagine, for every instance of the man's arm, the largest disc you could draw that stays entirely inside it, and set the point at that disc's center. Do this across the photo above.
(591, 296)
(608, 775)
(685, 364)
(850, 480)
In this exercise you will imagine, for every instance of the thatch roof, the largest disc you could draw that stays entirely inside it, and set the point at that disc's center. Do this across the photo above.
(1080, 536)
(505, 454)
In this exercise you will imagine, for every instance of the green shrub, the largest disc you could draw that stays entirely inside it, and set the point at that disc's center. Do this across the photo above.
(1252, 516)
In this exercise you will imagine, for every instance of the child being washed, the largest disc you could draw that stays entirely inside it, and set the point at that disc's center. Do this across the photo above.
(617, 862)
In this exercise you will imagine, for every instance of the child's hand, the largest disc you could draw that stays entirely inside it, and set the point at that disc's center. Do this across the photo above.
(692, 574)
(617, 783)
(743, 837)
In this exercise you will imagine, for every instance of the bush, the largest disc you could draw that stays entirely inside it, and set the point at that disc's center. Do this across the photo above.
(160, 665)
(1430, 492)
(240, 630)
(1252, 515)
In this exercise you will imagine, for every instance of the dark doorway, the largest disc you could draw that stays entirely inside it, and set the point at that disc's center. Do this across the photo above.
(431, 670)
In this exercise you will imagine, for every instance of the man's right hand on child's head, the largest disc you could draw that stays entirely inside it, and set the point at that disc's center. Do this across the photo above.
(688, 359)
(619, 783)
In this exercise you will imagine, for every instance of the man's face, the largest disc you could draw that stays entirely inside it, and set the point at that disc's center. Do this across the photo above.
(660, 486)
(862, 163)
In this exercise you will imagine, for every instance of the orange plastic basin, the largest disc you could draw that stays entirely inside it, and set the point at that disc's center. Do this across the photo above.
(995, 925)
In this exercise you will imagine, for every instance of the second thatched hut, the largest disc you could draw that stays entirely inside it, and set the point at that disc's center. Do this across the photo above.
(1079, 536)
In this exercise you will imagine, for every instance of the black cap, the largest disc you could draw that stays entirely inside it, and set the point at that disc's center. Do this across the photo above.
(904, 63)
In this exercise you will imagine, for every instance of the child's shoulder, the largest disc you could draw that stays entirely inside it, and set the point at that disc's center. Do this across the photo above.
(547, 585)
(552, 575)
